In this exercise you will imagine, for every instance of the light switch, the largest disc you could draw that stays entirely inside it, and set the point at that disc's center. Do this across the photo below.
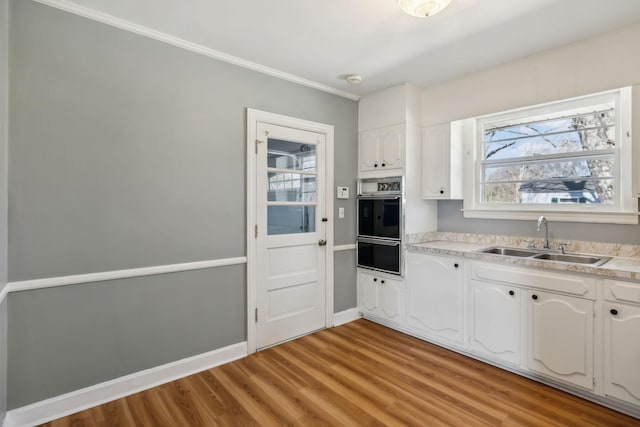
(340, 212)
(342, 193)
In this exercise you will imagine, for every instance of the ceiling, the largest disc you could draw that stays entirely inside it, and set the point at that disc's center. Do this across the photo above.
(323, 41)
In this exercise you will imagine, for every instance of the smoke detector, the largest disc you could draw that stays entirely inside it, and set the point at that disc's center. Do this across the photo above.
(354, 79)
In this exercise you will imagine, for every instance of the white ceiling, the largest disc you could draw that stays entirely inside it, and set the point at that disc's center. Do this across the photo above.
(323, 40)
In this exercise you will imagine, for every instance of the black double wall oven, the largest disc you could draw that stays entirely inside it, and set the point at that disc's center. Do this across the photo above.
(380, 224)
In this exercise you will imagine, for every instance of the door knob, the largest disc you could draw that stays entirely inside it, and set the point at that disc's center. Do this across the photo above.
(322, 242)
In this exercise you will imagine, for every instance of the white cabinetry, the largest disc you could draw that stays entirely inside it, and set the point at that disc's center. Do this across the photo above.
(382, 149)
(560, 330)
(557, 329)
(381, 296)
(495, 321)
(442, 161)
(533, 321)
(622, 341)
(435, 297)
(635, 139)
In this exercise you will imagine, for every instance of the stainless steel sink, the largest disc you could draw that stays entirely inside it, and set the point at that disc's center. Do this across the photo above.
(546, 255)
(575, 259)
(508, 252)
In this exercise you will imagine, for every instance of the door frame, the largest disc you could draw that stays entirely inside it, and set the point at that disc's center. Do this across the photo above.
(253, 117)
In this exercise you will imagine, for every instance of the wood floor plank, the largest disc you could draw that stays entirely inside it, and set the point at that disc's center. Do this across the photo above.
(357, 374)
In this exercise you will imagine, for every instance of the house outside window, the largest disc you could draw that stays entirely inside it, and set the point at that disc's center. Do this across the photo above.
(569, 160)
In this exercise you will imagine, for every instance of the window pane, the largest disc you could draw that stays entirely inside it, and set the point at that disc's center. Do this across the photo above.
(574, 130)
(562, 156)
(291, 187)
(290, 155)
(577, 191)
(291, 219)
(572, 141)
(600, 168)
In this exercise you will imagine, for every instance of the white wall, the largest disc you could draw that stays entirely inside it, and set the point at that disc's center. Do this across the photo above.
(591, 65)
(604, 62)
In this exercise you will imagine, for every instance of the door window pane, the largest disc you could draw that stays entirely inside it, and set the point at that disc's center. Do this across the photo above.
(291, 187)
(290, 155)
(291, 219)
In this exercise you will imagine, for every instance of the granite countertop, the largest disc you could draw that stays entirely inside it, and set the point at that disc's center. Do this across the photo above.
(618, 267)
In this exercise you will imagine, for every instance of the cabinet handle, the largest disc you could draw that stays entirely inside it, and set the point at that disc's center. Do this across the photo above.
(534, 296)
(441, 191)
(456, 265)
(382, 281)
(375, 165)
(383, 165)
(375, 279)
(512, 293)
(614, 311)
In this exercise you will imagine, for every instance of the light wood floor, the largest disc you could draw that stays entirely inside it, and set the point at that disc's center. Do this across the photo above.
(358, 374)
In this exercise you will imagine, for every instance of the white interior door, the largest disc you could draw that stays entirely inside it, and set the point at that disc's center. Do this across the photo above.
(290, 234)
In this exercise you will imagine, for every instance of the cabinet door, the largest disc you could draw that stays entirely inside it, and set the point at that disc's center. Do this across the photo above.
(560, 330)
(435, 296)
(367, 293)
(391, 153)
(436, 162)
(391, 299)
(495, 320)
(381, 296)
(368, 150)
(622, 352)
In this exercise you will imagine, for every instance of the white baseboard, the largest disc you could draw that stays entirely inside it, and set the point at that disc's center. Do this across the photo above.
(346, 316)
(69, 403)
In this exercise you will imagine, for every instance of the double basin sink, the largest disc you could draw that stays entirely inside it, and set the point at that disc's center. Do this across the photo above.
(546, 255)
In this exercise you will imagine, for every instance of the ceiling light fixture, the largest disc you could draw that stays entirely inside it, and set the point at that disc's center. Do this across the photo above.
(423, 8)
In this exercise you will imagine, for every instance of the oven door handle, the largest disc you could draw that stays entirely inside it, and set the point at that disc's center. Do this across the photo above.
(378, 242)
(377, 197)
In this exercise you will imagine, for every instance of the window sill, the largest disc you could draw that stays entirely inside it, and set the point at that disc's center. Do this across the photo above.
(560, 216)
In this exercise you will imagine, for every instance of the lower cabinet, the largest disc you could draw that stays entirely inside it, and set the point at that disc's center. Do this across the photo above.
(622, 352)
(435, 296)
(381, 296)
(560, 331)
(495, 320)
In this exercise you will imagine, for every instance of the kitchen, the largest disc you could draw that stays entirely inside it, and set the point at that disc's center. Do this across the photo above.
(95, 95)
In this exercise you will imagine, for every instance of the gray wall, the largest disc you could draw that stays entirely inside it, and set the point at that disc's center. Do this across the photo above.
(69, 337)
(450, 218)
(127, 152)
(4, 99)
(345, 292)
(3, 359)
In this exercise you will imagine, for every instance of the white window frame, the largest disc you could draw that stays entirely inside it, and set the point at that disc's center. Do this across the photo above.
(623, 211)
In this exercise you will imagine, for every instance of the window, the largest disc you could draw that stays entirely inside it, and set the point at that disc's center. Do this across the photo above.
(568, 157)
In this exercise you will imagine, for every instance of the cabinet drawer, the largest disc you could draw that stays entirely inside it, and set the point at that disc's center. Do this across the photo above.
(617, 290)
(536, 278)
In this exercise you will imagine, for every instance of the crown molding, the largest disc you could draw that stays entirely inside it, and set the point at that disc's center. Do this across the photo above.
(123, 24)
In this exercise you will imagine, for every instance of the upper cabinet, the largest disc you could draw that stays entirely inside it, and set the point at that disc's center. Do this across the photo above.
(442, 161)
(382, 149)
(389, 139)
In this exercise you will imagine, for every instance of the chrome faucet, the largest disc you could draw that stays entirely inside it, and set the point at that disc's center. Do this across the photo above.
(543, 221)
